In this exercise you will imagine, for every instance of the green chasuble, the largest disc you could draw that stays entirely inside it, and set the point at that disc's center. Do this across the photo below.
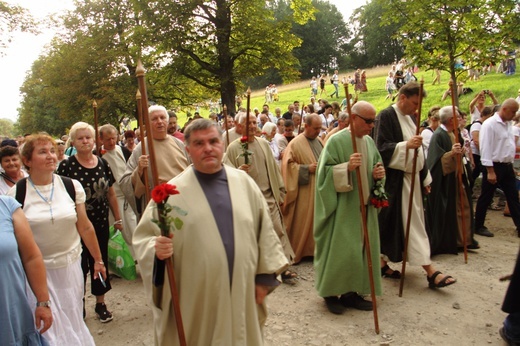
(340, 262)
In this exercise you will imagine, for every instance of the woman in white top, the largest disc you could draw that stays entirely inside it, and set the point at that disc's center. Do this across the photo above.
(59, 223)
(12, 168)
(327, 120)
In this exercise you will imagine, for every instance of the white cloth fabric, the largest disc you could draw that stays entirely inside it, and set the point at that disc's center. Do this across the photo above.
(58, 240)
(497, 141)
(402, 159)
(3, 184)
(475, 127)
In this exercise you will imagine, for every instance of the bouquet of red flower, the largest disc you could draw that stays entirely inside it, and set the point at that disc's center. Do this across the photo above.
(379, 198)
(160, 195)
(245, 149)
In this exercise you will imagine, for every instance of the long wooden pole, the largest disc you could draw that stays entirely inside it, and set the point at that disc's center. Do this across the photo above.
(301, 121)
(412, 189)
(248, 111)
(143, 142)
(155, 180)
(366, 239)
(458, 158)
(96, 131)
(224, 115)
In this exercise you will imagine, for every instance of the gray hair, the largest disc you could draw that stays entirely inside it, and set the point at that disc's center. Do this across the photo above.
(343, 116)
(198, 125)
(157, 108)
(445, 114)
(80, 125)
(106, 129)
(268, 127)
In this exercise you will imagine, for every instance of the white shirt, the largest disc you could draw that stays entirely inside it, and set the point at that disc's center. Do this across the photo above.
(497, 141)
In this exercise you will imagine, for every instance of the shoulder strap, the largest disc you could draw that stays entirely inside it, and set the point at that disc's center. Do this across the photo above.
(6, 177)
(21, 190)
(69, 186)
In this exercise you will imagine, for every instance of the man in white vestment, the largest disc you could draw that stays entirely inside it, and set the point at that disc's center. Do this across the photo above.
(226, 254)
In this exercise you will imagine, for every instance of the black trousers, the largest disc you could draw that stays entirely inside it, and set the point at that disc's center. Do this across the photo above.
(507, 180)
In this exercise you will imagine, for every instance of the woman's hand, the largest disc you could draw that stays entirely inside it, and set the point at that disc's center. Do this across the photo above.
(43, 314)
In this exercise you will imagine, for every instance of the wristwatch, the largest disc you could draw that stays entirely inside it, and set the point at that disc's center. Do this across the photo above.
(46, 304)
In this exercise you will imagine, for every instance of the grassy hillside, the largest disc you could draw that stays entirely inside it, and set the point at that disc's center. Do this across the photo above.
(502, 86)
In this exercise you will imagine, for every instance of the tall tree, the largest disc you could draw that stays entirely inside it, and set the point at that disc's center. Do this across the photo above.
(14, 18)
(444, 33)
(323, 40)
(374, 42)
(218, 43)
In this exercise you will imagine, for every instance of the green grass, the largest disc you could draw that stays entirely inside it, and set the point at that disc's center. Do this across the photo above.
(502, 86)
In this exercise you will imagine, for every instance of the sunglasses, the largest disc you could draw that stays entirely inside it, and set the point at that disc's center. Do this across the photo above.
(367, 121)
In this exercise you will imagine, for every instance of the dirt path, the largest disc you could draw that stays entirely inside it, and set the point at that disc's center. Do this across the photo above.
(467, 313)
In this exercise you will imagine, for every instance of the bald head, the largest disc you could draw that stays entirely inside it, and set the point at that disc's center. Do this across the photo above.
(363, 107)
(508, 109)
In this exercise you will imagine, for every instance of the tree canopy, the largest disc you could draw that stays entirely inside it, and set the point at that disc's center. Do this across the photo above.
(445, 33)
(14, 18)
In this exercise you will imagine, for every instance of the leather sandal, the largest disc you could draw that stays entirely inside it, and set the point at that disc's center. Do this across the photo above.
(443, 283)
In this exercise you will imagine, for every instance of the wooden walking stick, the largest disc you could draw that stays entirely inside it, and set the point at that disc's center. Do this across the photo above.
(224, 113)
(412, 189)
(458, 159)
(300, 125)
(366, 240)
(155, 181)
(142, 141)
(248, 109)
(96, 132)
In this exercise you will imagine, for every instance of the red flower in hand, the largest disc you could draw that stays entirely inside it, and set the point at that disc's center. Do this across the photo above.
(161, 192)
(244, 139)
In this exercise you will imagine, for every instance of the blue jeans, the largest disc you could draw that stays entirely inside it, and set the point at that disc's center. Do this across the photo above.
(512, 326)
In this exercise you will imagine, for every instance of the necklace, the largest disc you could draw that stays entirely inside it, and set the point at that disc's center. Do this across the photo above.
(45, 199)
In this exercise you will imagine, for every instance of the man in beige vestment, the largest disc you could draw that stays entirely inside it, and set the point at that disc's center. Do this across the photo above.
(265, 172)
(226, 255)
(170, 155)
(298, 170)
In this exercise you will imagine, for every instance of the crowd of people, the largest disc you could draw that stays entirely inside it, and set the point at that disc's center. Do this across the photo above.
(254, 195)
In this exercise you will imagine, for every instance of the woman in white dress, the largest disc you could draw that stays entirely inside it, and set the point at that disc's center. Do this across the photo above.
(55, 208)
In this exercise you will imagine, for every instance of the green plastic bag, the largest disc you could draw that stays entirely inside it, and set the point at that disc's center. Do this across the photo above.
(120, 261)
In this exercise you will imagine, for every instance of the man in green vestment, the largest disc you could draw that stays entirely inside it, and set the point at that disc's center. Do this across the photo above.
(340, 258)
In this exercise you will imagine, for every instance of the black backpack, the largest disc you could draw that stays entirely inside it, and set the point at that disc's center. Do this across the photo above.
(21, 189)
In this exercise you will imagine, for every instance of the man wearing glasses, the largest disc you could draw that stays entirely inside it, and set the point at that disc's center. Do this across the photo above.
(338, 226)
(396, 140)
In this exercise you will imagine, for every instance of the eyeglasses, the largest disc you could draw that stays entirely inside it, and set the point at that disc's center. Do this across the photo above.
(367, 121)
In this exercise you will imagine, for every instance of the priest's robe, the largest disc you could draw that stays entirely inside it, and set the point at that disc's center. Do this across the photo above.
(340, 262)
(265, 172)
(214, 311)
(391, 132)
(298, 207)
(172, 159)
(444, 204)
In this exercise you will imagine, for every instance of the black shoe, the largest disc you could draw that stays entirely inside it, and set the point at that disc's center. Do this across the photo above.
(354, 300)
(334, 305)
(483, 231)
(84, 311)
(507, 339)
(102, 313)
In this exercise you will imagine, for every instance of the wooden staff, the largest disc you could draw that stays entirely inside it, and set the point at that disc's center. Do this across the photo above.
(458, 159)
(155, 180)
(366, 243)
(141, 139)
(248, 110)
(224, 114)
(96, 132)
(412, 189)
(301, 121)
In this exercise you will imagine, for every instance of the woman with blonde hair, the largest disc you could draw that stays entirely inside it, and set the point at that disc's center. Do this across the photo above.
(96, 177)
